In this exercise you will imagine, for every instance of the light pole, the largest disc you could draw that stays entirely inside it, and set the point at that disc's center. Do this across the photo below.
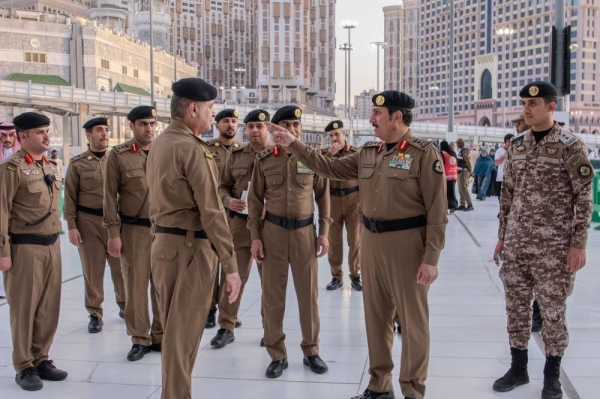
(346, 49)
(379, 45)
(349, 25)
(450, 135)
(151, 52)
(239, 70)
(505, 32)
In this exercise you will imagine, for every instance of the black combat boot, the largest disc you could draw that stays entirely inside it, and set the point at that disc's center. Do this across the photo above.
(552, 388)
(516, 375)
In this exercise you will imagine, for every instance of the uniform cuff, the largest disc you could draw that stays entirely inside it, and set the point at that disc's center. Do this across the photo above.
(71, 224)
(431, 257)
(114, 231)
(229, 265)
(323, 229)
(5, 251)
(255, 234)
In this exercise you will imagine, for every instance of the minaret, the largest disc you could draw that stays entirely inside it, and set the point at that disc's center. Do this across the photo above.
(140, 22)
(109, 13)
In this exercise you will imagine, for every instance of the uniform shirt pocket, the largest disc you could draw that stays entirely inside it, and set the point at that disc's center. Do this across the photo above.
(396, 173)
(165, 252)
(273, 177)
(366, 171)
(133, 171)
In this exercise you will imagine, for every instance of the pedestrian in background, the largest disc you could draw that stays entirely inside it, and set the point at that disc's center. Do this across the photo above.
(451, 172)
(483, 173)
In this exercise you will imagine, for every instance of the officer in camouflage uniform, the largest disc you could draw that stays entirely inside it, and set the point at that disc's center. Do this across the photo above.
(545, 214)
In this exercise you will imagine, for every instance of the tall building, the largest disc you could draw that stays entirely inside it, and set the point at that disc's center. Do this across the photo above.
(490, 68)
(401, 32)
(139, 25)
(77, 8)
(295, 45)
(363, 103)
(111, 13)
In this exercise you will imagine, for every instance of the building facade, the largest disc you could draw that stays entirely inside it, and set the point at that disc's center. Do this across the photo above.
(363, 103)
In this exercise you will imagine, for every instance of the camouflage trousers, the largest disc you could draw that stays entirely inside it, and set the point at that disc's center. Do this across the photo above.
(540, 269)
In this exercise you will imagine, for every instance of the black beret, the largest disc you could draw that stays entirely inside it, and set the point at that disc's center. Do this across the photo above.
(538, 89)
(287, 113)
(227, 113)
(257, 115)
(194, 89)
(99, 121)
(336, 124)
(141, 112)
(393, 99)
(31, 120)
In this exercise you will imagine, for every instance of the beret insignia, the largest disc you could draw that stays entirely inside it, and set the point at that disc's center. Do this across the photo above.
(262, 116)
(153, 113)
(236, 113)
(298, 113)
(380, 100)
(534, 91)
(335, 125)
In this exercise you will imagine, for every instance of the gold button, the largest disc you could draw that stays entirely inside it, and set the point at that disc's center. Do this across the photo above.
(162, 256)
(189, 244)
(379, 173)
(376, 191)
(289, 189)
(395, 174)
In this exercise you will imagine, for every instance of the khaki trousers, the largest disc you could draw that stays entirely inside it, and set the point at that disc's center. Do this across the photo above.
(93, 255)
(137, 276)
(228, 312)
(390, 265)
(284, 248)
(344, 209)
(33, 286)
(184, 270)
(463, 188)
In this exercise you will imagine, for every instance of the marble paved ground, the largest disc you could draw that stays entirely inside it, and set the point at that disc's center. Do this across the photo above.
(469, 347)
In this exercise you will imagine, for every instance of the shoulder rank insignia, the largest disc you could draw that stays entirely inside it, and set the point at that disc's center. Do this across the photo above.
(518, 137)
(238, 148)
(567, 138)
(372, 144)
(208, 155)
(421, 144)
(265, 153)
(12, 167)
(121, 148)
(78, 157)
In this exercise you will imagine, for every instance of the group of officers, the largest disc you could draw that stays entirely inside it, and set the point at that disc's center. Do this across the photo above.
(206, 210)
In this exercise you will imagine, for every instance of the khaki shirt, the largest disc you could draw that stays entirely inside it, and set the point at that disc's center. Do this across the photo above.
(182, 179)
(84, 184)
(393, 184)
(26, 198)
(125, 186)
(236, 173)
(285, 186)
(547, 188)
(341, 184)
(220, 152)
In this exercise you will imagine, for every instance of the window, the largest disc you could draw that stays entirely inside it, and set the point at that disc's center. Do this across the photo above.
(105, 64)
(124, 70)
(35, 57)
(135, 73)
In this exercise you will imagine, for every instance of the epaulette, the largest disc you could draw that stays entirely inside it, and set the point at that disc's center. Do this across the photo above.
(13, 164)
(518, 136)
(78, 157)
(421, 144)
(240, 148)
(567, 138)
(213, 142)
(324, 151)
(122, 148)
(264, 153)
(372, 144)
(353, 148)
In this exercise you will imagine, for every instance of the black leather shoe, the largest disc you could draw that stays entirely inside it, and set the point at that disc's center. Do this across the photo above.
(137, 352)
(210, 321)
(95, 325)
(368, 394)
(356, 283)
(262, 342)
(222, 338)
(121, 314)
(238, 323)
(316, 364)
(276, 368)
(156, 347)
(461, 208)
(29, 379)
(469, 208)
(48, 371)
(334, 284)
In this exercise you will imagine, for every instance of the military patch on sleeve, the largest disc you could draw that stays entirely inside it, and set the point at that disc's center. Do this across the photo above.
(585, 171)
(576, 161)
(11, 167)
(437, 167)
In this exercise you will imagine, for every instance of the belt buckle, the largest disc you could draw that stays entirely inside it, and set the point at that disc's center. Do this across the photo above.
(373, 226)
(342, 192)
(290, 223)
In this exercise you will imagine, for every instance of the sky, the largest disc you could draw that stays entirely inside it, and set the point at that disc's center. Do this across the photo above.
(363, 60)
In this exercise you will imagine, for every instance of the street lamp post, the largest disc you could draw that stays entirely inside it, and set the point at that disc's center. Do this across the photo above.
(346, 49)
(505, 32)
(239, 71)
(151, 52)
(379, 45)
(450, 134)
(349, 25)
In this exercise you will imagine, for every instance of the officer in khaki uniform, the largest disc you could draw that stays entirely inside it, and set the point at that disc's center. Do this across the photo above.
(343, 197)
(403, 200)
(233, 190)
(190, 231)
(288, 237)
(226, 123)
(83, 212)
(465, 168)
(30, 250)
(126, 217)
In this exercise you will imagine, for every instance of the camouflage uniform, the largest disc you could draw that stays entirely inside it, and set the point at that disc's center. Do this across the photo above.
(545, 209)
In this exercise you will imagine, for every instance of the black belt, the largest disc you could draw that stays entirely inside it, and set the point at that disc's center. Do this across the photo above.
(91, 211)
(288, 223)
(382, 226)
(180, 232)
(19, 239)
(240, 215)
(137, 221)
(343, 191)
